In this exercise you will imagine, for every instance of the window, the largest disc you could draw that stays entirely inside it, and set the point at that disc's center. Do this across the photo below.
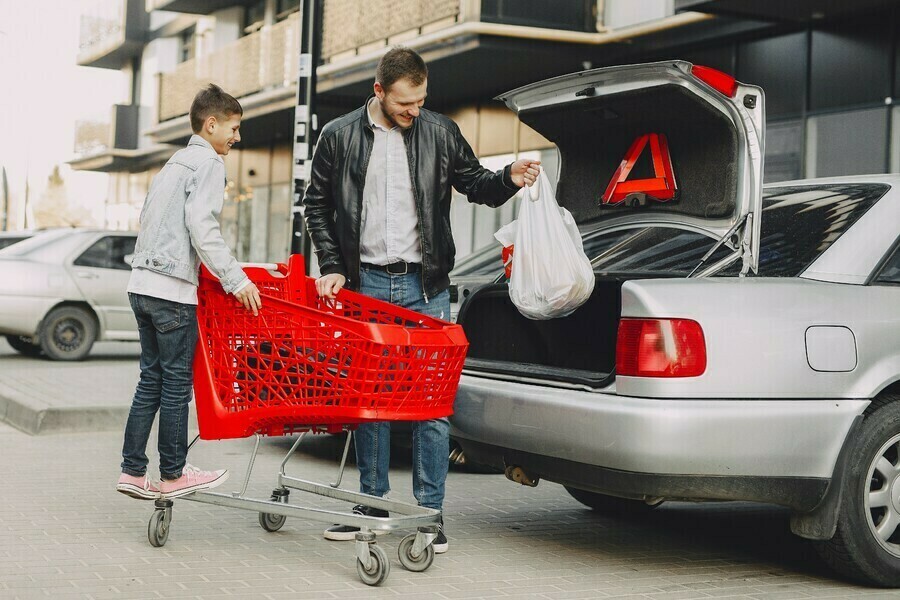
(800, 223)
(286, 7)
(890, 273)
(783, 151)
(778, 66)
(847, 143)
(255, 17)
(657, 250)
(188, 43)
(108, 253)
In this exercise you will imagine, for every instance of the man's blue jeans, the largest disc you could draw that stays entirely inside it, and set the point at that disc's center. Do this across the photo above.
(168, 333)
(430, 439)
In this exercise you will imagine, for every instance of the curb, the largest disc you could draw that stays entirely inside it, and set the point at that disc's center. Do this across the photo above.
(35, 421)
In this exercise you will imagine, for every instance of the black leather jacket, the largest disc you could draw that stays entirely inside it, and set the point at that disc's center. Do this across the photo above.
(439, 157)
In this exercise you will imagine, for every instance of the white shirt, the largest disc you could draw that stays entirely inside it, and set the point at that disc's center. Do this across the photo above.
(389, 229)
(156, 285)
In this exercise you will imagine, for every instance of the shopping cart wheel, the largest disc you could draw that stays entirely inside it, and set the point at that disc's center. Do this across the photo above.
(417, 563)
(158, 529)
(378, 568)
(271, 522)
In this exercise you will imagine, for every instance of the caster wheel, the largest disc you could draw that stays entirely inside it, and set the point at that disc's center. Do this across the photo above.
(379, 567)
(415, 563)
(158, 529)
(271, 522)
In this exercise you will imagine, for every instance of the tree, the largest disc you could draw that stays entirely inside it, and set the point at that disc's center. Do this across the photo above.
(53, 208)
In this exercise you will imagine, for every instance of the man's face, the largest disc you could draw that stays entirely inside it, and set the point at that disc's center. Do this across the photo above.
(401, 103)
(224, 133)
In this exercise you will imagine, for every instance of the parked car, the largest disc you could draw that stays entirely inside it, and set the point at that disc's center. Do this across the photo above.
(65, 289)
(740, 344)
(8, 238)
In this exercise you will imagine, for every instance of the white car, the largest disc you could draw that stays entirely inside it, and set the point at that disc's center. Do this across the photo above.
(742, 342)
(65, 289)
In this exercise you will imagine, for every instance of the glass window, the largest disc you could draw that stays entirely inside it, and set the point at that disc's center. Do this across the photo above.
(778, 66)
(188, 44)
(847, 143)
(891, 271)
(851, 62)
(784, 151)
(108, 253)
(658, 250)
(286, 7)
(800, 223)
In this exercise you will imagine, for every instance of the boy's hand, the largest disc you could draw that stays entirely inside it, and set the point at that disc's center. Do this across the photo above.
(248, 296)
(327, 286)
(525, 172)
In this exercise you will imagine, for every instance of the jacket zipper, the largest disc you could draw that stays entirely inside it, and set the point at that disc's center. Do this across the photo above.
(412, 181)
(359, 200)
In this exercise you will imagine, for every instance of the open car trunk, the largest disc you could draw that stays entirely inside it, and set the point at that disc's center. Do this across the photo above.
(579, 349)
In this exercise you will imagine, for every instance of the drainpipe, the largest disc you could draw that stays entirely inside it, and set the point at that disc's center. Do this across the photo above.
(305, 123)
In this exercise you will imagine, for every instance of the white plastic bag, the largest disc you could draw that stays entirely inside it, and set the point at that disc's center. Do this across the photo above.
(551, 275)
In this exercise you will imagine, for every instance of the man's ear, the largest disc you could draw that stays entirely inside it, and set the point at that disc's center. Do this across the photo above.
(209, 125)
(379, 91)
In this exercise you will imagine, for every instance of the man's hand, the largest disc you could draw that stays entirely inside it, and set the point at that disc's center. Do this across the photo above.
(327, 286)
(525, 172)
(248, 296)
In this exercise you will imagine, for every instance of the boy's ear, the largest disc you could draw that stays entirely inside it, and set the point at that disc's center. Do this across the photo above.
(209, 125)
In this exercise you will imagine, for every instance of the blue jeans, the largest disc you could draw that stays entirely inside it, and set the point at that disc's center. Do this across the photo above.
(168, 333)
(430, 439)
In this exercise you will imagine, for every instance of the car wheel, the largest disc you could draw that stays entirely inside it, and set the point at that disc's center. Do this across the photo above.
(866, 545)
(611, 505)
(23, 346)
(68, 333)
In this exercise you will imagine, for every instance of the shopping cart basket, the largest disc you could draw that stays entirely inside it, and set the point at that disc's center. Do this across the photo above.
(306, 363)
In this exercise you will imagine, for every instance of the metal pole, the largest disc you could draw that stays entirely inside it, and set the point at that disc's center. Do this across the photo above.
(305, 122)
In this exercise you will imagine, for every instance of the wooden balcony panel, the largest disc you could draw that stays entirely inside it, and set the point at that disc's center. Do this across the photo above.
(340, 26)
(92, 137)
(280, 46)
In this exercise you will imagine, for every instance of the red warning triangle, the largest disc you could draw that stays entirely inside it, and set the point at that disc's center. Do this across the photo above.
(661, 187)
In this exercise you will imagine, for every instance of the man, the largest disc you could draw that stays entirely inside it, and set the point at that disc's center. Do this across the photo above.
(378, 212)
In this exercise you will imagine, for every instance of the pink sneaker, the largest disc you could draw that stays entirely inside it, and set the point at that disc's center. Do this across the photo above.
(192, 480)
(137, 487)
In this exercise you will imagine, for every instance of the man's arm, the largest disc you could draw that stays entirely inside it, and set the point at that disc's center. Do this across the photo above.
(206, 194)
(319, 209)
(483, 186)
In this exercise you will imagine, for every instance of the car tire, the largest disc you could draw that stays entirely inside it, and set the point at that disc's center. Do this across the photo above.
(68, 332)
(611, 505)
(870, 498)
(23, 346)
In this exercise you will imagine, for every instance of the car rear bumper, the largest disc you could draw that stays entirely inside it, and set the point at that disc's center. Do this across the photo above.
(21, 315)
(663, 437)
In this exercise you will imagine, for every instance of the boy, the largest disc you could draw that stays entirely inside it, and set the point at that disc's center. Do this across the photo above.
(179, 230)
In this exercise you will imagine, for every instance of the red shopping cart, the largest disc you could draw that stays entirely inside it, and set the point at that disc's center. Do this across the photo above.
(306, 363)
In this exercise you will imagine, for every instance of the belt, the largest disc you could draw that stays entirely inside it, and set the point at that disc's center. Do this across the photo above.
(397, 268)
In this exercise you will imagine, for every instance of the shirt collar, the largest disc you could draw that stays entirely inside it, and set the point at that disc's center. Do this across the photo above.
(371, 121)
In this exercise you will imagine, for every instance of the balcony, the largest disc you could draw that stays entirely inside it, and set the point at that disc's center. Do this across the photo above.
(112, 33)
(800, 11)
(111, 142)
(196, 7)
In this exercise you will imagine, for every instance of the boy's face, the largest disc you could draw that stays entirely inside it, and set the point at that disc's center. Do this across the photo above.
(401, 103)
(222, 133)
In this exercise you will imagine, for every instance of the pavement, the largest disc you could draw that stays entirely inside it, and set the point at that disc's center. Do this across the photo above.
(65, 532)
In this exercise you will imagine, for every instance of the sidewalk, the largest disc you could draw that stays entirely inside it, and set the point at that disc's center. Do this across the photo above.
(39, 396)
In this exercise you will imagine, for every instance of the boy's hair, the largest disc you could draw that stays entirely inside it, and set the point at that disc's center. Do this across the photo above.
(212, 101)
(400, 63)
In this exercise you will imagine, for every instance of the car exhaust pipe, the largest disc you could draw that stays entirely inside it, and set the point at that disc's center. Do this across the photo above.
(457, 457)
(518, 474)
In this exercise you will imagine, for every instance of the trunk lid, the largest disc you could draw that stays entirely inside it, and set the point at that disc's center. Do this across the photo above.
(713, 125)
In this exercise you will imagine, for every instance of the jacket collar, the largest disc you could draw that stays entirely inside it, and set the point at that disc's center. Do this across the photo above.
(196, 140)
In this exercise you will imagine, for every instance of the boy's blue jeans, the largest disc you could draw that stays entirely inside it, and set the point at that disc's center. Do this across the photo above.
(430, 439)
(168, 333)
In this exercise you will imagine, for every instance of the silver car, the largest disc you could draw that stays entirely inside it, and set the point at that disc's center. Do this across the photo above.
(741, 343)
(65, 289)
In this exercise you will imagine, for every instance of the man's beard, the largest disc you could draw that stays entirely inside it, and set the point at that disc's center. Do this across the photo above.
(392, 120)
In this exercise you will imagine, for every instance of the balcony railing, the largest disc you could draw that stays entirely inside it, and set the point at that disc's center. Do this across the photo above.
(111, 32)
(269, 58)
(118, 130)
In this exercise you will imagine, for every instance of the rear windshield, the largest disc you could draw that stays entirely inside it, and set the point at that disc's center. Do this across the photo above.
(798, 224)
(35, 243)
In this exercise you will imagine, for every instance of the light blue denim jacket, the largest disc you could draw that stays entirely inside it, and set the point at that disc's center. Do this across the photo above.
(180, 219)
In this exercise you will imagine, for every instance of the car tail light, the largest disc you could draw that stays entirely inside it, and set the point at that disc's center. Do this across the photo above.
(722, 82)
(660, 348)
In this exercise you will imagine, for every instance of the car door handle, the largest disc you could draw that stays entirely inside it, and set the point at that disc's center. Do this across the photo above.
(84, 275)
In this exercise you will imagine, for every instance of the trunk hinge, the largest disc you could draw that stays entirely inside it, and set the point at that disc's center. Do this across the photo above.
(742, 249)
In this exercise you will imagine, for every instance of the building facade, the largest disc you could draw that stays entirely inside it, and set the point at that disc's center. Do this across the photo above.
(829, 76)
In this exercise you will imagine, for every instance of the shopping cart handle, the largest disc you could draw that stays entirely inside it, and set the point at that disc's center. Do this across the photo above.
(266, 266)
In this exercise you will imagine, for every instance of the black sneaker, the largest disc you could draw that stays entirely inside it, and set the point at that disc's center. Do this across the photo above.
(344, 533)
(441, 544)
